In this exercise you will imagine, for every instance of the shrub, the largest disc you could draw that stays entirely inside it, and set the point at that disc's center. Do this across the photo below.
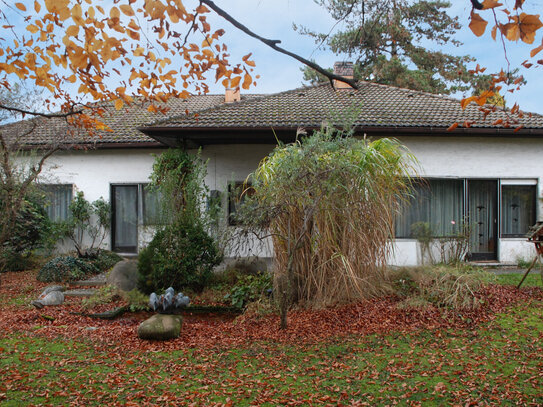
(136, 300)
(65, 269)
(104, 295)
(249, 288)
(31, 231)
(103, 260)
(182, 255)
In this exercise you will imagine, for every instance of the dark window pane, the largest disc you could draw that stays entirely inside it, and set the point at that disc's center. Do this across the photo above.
(438, 202)
(237, 193)
(518, 209)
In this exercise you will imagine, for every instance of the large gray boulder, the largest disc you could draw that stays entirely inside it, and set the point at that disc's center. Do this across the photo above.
(124, 275)
(50, 289)
(51, 298)
(161, 327)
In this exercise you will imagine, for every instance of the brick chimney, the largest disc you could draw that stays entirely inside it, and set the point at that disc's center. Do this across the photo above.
(232, 95)
(345, 69)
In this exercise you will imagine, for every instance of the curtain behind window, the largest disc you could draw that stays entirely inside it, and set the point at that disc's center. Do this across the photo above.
(151, 206)
(438, 202)
(57, 201)
(518, 209)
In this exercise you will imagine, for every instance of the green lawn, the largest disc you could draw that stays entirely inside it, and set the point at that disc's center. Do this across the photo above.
(497, 363)
(533, 280)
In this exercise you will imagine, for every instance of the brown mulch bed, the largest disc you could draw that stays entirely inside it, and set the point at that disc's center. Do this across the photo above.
(305, 326)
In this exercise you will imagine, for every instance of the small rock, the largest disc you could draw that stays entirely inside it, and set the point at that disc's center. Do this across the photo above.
(124, 275)
(51, 289)
(52, 298)
(161, 327)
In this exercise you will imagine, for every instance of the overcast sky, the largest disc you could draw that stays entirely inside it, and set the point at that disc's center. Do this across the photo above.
(273, 19)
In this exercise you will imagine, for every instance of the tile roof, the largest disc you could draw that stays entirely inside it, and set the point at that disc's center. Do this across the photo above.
(123, 123)
(371, 106)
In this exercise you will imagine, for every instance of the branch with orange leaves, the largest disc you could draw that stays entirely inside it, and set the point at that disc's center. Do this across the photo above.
(518, 26)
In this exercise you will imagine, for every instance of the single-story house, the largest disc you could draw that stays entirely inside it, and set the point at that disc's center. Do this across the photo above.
(485, 173)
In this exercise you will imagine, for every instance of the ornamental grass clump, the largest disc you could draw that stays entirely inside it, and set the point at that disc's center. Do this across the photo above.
(329, 203)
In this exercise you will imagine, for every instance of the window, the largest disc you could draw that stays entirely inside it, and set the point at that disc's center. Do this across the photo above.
(439, 202)
(518, 209)
(151, 206)
(57, 201)
(237, 193)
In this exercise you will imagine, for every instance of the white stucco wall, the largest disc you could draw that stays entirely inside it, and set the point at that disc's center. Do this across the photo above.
(458, 157)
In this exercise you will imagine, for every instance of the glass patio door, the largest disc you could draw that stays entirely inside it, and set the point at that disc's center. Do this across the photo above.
(483, 219)
(125, 218)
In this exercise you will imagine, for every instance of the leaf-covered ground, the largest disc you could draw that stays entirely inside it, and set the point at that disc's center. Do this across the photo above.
(371, 353)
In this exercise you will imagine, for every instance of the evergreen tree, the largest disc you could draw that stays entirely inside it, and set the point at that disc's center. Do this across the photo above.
(396, 42)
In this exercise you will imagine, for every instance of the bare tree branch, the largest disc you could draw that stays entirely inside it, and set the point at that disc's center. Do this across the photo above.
(32, 113)
(273, 44)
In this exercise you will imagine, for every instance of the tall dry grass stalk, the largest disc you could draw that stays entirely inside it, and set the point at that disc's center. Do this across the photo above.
(329, 204)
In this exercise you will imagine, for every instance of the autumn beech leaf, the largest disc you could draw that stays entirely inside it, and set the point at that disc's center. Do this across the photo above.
(77, 14)
(453, 126)
(465, 102)
(32, 28)
(173, 14)
(20, 6)
(493, 32)
(72, 31)
(536, 50)
(522, 27)
(37, 6)
(488, 4)
(234, 83)
(127, 10)
(201, 9)
(247, 80)
(133, 34)
(511, 31)
(477, 24)
(529, 24)
(119, 103)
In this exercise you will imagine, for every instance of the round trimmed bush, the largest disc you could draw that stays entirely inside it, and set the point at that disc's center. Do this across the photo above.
(65, 269)
(182, 255)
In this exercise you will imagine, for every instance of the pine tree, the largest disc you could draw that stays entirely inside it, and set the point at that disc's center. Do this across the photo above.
(397, 42)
